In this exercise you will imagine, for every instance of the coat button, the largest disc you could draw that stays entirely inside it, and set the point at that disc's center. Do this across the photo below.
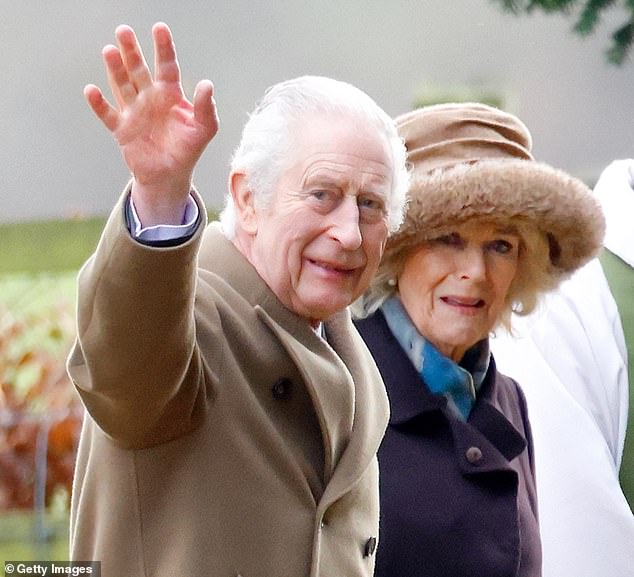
(473, 455)
(281, 389)
(370, 547)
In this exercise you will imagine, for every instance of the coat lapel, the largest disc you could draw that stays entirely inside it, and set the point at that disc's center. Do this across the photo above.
(348, 395)
(371, 404)
(340, 375)
(329, 384)
(487, 429)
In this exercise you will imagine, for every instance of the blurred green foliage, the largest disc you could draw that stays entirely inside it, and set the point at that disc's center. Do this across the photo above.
(25, 537)
(36, 329)
(51, 245)
(39, 262)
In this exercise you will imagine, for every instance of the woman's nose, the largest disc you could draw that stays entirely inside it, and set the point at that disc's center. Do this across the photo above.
(472, 265)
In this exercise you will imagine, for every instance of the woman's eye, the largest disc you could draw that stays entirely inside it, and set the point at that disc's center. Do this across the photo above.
(502, 246)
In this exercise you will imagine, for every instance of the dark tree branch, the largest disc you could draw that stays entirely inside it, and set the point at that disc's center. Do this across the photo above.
(589, 16)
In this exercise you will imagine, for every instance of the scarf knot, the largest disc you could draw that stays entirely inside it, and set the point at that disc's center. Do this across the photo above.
(459, 383)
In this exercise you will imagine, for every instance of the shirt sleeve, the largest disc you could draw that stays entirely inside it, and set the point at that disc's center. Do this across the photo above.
(163, 232)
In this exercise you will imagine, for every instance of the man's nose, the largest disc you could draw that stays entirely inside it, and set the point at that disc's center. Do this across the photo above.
(345, 224)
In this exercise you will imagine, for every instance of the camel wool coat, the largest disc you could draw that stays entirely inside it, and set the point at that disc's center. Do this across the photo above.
(223, 436)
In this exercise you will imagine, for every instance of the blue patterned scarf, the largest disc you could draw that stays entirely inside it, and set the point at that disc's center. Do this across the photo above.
(458, 383)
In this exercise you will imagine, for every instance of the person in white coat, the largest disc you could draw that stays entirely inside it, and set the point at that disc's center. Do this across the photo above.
(571, 357)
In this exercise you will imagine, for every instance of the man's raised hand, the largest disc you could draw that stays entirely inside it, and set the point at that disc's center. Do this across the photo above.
(160, 132)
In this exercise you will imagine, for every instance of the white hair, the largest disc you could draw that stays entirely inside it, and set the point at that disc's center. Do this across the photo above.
(264, 148)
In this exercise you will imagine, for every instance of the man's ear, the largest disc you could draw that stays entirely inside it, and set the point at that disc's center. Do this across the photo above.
(244, 202)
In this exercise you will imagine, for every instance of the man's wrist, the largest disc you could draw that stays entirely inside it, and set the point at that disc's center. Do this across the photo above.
(159, 233)
(162, 203)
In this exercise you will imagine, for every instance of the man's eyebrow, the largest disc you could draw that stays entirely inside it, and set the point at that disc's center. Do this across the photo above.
(376, 184)
(324, 178)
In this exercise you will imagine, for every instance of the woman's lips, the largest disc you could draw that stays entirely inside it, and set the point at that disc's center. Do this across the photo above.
(463, 301)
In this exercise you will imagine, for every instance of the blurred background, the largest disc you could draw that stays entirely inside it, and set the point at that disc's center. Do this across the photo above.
(58, 161)
(60, 171)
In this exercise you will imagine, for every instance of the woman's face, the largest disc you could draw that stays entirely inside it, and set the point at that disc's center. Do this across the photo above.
(454, 287)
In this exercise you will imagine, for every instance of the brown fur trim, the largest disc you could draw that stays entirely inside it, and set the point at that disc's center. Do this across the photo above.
(560, 206)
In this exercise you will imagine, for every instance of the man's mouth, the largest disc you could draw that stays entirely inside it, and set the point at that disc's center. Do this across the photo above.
(333, 267)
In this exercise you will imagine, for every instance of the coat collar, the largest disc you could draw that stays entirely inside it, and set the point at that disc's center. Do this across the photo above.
(343, 381)
(410, 399)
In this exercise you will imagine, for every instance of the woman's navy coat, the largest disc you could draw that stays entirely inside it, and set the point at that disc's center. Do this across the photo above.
(457, 499)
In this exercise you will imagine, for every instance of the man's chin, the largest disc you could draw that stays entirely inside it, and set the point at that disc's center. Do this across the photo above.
(324, 309)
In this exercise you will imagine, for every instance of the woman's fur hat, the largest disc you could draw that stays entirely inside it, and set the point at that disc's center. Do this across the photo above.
(472, 160)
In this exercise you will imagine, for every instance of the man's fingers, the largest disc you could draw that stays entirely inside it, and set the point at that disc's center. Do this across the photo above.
(165, 62)
(122, 88)
(133, 59)
(101, 107)
(205, 110)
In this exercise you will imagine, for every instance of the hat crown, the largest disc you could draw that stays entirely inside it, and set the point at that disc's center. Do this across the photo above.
(443, 135)
(471, 160)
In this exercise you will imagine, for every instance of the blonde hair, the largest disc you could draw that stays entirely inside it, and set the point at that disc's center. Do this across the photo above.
(534, 273)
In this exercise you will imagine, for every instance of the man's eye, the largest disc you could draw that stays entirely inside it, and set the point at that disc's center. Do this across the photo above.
(319, 194)
(323, 200)
(371, 208)
(371, 203)
(325, 196)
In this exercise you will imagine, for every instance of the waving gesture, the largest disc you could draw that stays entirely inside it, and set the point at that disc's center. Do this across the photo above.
(161, 134)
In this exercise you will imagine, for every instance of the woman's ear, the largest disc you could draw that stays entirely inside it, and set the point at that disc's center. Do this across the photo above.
(244, 202)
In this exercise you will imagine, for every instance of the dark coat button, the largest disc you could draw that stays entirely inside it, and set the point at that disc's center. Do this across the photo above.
(370, 547)
(473, 455)
(281, 389)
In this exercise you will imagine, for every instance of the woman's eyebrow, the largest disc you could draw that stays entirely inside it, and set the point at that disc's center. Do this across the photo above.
(509, 229)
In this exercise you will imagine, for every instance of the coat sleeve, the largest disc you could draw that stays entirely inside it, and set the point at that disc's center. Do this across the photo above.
(135, 362)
